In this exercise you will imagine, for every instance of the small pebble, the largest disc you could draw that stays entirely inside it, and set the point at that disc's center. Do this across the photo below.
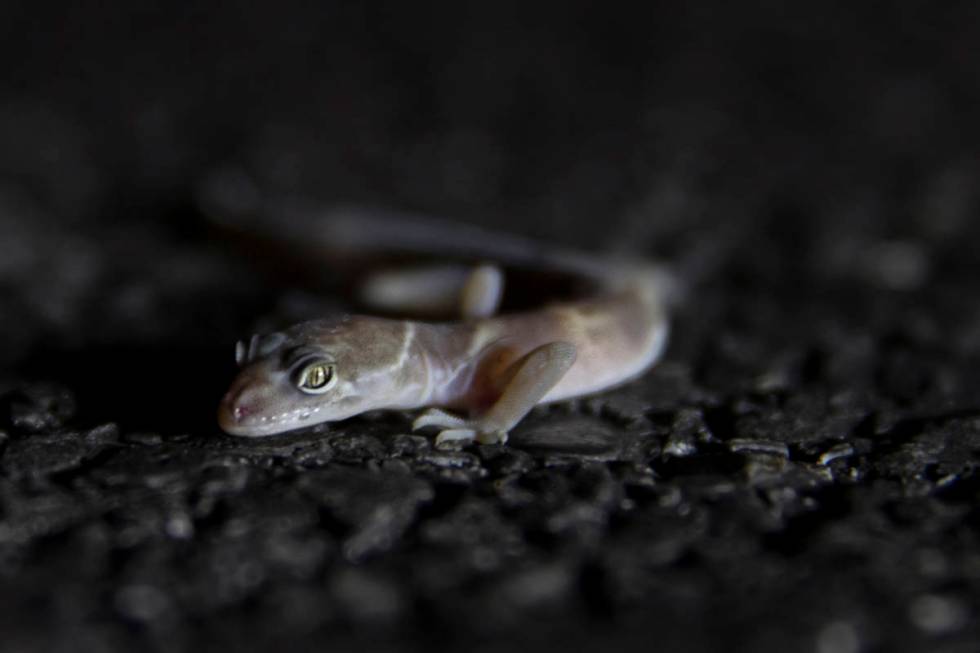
(938, 615)
(679, 446)
(145, 439)
(745, 445)
(838, 637)
(144, 603)
(898, 265)
(451, 459)
(41, 407)
(843, 450)
(365, 597)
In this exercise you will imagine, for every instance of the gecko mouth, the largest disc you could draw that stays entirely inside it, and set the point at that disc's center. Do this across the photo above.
(243, 419)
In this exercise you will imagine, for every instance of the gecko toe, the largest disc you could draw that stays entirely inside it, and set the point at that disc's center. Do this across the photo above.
(454, 438)
(439, 418)
(492, 437)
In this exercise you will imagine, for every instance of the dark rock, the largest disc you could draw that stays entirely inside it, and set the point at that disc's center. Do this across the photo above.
(146, 439)
(142, 603)
(535, 589)
(30, 515)
(477, 535)
(45, 455)
(354, 448)
(568, 435)
(449, 468)
(40, 407)
(365, 597)
(409, 445)
(374, 509)
(503, 460)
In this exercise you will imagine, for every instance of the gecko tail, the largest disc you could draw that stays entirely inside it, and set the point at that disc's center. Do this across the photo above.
(230, 200)
(342, 233)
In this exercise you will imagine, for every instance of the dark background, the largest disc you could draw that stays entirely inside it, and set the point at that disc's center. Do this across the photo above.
(799, 474)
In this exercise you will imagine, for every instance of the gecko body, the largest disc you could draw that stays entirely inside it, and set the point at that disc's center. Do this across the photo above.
(477, 376)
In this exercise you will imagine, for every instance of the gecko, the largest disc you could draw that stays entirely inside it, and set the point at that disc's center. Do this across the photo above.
(473, 378)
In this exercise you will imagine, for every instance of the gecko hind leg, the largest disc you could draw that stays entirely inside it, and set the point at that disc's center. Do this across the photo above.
(480, 296)
(441, 290)
(531, 377)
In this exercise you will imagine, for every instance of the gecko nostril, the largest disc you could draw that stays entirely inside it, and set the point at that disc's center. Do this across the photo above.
(240, 412)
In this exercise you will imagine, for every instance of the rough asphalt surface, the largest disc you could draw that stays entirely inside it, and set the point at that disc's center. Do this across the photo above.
(799, 474)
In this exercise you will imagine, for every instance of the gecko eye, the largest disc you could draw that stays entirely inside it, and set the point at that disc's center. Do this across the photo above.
(316, 378)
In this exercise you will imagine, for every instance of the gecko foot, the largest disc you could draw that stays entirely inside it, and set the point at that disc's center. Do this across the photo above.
(440, 418)
(454, 438)
(492, 437)
(456, 431)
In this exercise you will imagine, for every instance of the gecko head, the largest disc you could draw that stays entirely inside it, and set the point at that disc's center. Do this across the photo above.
(311, 374)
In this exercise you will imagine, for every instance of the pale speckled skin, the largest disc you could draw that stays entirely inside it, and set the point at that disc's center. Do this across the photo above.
(463, 366)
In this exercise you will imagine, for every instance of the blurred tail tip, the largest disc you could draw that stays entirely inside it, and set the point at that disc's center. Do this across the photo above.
(674, 289)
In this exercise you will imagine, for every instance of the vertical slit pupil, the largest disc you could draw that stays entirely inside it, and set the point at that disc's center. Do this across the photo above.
(318, 376)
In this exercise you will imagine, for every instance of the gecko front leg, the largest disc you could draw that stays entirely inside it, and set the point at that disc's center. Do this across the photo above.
(530, 379)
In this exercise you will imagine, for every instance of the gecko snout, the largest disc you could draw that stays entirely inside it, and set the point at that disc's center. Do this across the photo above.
(233, 410)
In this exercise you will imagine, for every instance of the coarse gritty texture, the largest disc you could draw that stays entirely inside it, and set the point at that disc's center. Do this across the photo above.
(799, 474)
